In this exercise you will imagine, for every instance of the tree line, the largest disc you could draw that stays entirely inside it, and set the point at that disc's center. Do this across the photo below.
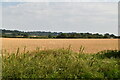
(42, 34)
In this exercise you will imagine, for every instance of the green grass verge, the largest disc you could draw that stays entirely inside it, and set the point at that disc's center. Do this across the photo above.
(61, 63)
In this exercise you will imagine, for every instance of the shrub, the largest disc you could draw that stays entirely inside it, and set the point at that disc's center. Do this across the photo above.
(61, 63)
(109, 54)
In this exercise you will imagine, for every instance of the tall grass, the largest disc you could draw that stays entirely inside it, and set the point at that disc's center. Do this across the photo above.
(61, 63)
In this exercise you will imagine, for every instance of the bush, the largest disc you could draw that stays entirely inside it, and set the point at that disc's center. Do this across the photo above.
(109, 54)
(61, 63)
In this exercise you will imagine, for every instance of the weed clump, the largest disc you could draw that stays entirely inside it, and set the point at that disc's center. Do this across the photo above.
(61, 63)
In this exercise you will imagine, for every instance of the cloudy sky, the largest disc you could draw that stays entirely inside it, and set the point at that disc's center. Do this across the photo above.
(92, 17)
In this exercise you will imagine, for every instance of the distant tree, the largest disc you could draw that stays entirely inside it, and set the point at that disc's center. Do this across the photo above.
(49, 36)
(25, 35)
(112, 36)
(62, 35)
(106, 35)
(43, 34)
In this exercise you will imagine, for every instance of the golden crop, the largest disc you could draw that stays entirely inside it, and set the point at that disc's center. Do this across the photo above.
(91, 45)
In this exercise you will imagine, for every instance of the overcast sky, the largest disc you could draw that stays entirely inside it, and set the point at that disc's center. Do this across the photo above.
(59, 0)
(92, 17)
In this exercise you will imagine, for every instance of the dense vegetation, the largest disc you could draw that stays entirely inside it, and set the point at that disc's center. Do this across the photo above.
(62, 63)
(39, 34)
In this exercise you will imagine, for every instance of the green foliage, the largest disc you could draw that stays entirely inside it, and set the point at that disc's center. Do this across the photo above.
(109, 54)
(85, 35)
(49, 36)
(61, 63)
(39, 34)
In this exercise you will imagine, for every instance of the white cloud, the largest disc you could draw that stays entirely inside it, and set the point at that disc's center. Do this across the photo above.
(52, 16)
(0, 15)
(60, 0)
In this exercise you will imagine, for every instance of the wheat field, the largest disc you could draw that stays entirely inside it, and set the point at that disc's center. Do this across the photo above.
(91, 45)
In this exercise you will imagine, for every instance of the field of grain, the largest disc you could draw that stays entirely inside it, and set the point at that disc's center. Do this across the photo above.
(91, 45)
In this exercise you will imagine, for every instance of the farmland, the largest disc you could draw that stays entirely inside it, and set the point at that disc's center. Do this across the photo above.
(60, 40)
(60, 58)
(90, 45)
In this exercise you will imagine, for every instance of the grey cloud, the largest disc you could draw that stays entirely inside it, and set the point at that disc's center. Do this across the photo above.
(60, 0)
(65, 16)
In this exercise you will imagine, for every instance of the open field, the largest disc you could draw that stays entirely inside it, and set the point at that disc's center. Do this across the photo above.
(91, 45)
(61, 63)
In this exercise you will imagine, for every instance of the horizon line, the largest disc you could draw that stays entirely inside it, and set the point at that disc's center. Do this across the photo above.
(58, 31)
